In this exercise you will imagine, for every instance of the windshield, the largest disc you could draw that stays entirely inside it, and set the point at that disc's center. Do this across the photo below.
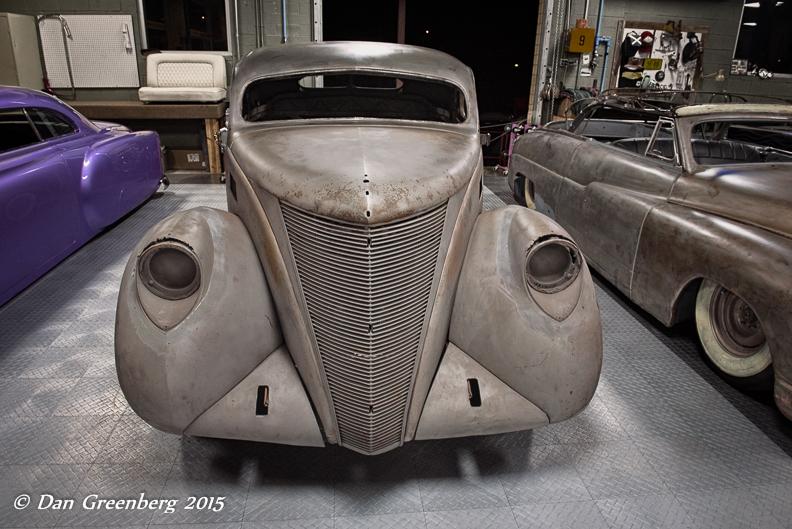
(725, 142)
(353, 95)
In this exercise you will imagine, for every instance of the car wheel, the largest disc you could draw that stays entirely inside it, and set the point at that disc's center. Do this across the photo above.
(733, 338)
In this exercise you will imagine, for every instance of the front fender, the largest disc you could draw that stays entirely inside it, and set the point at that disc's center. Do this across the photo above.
(552, 356)
(175, 359)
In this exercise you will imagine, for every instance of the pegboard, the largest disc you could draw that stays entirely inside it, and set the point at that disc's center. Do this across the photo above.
(101, 49)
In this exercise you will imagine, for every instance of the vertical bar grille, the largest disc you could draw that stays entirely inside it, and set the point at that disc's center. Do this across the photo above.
(367, 291)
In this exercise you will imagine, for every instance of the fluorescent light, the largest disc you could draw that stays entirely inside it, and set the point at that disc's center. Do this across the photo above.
(749, 23)
(752, 4)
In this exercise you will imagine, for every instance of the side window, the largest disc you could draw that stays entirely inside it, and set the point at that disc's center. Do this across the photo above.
(49, 124)
(662, 144)
(15, 130)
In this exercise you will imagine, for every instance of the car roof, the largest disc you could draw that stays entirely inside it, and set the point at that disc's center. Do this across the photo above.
(345, 56)
(13, 97)
(733, 108)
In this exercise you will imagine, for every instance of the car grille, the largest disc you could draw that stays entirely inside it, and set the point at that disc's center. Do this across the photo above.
(367, 291)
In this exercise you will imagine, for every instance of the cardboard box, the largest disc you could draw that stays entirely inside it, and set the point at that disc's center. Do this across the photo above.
(185, 159)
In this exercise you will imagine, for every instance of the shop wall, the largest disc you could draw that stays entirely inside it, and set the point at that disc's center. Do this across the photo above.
(298, 26)
(722, 17)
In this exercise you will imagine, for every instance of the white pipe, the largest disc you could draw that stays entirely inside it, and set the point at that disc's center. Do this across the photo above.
(236, 16)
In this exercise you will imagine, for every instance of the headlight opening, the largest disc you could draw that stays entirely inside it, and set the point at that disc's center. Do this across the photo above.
(552, 265)
(170, 270)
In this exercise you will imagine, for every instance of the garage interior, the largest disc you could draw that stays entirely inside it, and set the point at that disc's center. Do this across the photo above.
(665, 442)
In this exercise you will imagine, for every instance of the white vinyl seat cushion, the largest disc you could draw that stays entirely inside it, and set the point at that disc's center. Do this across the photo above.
(183, 94)
(184, 77)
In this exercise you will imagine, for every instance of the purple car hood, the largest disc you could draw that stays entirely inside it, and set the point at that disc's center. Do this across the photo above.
(362, 174)
(757, 194)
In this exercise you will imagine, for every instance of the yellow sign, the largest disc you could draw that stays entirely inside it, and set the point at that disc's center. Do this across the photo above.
(581, 40)
(652, 64)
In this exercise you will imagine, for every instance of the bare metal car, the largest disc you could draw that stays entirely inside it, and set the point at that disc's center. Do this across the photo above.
(686, 208)
(354, 293)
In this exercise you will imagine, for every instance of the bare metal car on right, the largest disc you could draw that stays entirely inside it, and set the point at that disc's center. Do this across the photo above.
(687, 209)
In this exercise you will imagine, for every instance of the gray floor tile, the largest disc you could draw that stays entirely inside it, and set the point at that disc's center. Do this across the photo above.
(136, 484)
(58, 481)
(407, 520)
(687, 464)
(567, 515)
(92, 397)
(471, 519)
(547, 475)
(134, 441)
(14, 362)
(302, 523)
(594, 424)
(15, 435)
(775, 499)
(756, 462)
(615, 469)
(60, 362)
(645, 512)
(727, 509)
(29, 397)
(69, 440)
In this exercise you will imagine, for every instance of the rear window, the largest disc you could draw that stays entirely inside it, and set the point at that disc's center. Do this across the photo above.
(353, 95)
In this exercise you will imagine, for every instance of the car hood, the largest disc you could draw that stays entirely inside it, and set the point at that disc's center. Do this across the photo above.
(757, 194)
(358, 173)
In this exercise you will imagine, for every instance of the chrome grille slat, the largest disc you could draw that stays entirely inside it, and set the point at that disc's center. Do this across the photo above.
(367, 292)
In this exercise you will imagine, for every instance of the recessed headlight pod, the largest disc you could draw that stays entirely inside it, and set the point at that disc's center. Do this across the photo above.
(170, 270)
(552, 265)
(552, 269)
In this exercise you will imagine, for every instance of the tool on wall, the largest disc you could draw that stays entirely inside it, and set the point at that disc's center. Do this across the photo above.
(66, 32)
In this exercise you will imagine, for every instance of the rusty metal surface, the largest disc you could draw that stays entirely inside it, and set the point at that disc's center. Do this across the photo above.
(655, 228)
(366, 334)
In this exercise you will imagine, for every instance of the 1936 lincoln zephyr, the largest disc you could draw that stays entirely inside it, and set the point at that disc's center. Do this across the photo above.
(354, 293)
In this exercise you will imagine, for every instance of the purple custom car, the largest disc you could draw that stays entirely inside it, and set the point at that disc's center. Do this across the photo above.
(62, 180)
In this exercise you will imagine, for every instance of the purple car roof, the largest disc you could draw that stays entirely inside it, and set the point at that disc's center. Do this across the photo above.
(15, 97)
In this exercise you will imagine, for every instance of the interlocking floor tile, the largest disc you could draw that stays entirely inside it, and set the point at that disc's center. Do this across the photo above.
(644, 512)
(687, 464)
(58, 481)
(14, 362)
(15, 435)
(775, 499)
(93, 396)
(69, 440)
(407, 520)
(566, 515)
(134, 441)
(60, 362)
(593, 424)
(547, 475)
(301, 523)
(136, 484)
(471, 519)
(374, 485)
(615, 469)
(727, 509)
(34, 397)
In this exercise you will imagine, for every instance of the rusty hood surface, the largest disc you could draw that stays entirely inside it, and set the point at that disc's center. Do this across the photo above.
(756, 194)
(358, 173)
